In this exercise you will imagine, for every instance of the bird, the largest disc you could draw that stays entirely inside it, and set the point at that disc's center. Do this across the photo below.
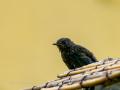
(73, 55)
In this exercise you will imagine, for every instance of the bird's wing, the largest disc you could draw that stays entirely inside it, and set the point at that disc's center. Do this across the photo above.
(86, 52)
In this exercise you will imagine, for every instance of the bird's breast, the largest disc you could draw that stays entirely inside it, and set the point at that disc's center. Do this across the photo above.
(71, 59)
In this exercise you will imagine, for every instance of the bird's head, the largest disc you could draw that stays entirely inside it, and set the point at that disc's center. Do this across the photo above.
(64, 43)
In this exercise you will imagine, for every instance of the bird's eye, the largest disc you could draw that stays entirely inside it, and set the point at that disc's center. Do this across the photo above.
(64, 42)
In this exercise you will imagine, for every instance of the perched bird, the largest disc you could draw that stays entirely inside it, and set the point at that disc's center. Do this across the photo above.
(73, 55)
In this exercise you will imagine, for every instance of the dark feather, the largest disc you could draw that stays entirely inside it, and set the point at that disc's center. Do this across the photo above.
(86, 52)
(75, 56)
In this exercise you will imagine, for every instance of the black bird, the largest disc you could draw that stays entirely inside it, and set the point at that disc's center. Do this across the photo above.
(73, 55)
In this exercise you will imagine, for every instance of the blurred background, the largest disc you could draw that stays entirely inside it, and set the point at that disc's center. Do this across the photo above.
(28, 28)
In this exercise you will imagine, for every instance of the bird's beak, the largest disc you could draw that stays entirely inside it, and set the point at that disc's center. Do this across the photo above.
(54, 43)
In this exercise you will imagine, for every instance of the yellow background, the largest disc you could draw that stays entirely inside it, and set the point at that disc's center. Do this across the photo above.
(29, 27)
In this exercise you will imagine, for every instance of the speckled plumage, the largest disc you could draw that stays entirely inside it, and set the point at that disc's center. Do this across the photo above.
(73, 55)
